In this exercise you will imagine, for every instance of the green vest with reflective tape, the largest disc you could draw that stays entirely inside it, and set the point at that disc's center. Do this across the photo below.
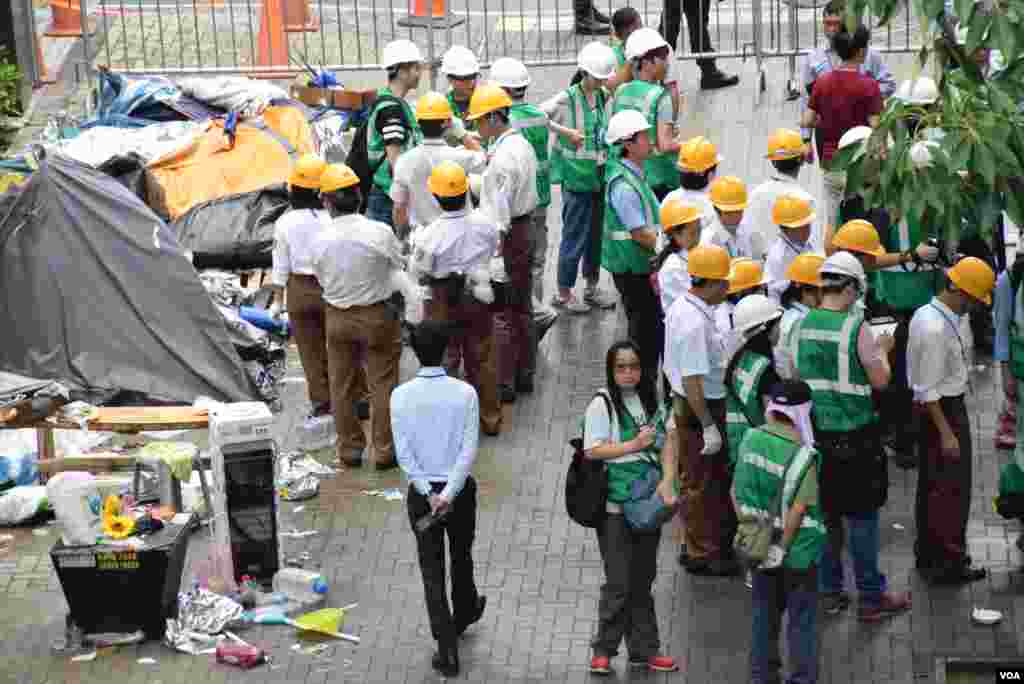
(375, 148)
(1017, 334)
(762, 461)
(622, 471)
(460, 112)
(533, 124)
(827, 360)
(902, 289)
(579, 169)
(742, 402)
(620, 253)
(620, 53)
(660, 167)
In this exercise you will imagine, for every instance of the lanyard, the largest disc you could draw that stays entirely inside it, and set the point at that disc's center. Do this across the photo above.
(792, 245)
(963, 350)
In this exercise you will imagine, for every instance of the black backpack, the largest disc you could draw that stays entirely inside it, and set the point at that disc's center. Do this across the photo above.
(358, 158)
(586, 482)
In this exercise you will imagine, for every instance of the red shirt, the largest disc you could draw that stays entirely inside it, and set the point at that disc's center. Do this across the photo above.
(842, 99)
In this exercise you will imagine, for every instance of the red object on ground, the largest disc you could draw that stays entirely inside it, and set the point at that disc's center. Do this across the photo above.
(240, 655)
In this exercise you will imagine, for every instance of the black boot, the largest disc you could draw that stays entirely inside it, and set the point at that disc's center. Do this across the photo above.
(601, 16)
(713, 78)
(587, 21)
(446, 660)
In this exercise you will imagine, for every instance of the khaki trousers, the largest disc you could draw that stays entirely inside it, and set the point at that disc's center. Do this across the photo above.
(306, 314)
(377, 328)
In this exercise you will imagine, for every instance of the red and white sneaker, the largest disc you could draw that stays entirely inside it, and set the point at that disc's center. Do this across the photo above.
(655, 664)
(600, 665)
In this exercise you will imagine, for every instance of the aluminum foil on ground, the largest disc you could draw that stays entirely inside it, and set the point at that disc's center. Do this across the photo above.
(299, 490)
(204, 612)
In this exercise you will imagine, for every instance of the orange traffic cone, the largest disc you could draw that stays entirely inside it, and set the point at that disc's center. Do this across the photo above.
(297, 17)
(438, 16)
(272, 43)
(66, 20)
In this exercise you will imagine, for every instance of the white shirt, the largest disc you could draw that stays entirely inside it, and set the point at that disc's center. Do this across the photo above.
(353, 258)
(724, 325)
(693, 346)
(735, 244)
(509, 188)
(784, 361)
(412, 171)
(780, 256)
(294, 234)
(673, 279)
(757, 224)
(709, 223)
(936, 353)
(456, 242)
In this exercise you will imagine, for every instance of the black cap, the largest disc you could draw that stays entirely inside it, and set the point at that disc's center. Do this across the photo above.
(790, 393)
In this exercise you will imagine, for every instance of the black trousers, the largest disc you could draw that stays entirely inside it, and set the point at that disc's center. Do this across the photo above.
(697, 14)
(460, 525)
(643, 314)
(898, 420)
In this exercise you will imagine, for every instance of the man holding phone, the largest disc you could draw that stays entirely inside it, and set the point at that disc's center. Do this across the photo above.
(436, 423)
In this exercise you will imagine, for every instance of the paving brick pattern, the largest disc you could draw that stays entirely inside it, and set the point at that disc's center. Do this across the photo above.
(540, 572)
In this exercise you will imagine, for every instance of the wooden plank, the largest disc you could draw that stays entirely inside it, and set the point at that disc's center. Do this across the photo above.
(141, 418)
(99, 462)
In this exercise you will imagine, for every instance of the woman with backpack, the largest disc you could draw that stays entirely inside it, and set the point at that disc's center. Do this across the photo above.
(625, 428)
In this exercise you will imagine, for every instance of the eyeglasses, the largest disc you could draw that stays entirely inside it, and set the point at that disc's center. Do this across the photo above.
(471, 77)
(628, 367)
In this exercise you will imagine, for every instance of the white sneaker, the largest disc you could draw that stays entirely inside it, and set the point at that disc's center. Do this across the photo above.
(572, 305)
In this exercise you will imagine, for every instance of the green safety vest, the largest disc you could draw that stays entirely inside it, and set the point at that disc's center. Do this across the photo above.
(1017, 334)
(620, 53)
(620, 253)
(533, 124)
(762, 461)
(742, 402)
(827, 361)
(375, 151)
(579, 169)
(660, 168)
(902, 289)
(460, 112)
(622, 471)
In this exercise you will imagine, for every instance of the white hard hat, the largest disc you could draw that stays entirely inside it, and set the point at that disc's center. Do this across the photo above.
(400, 52)
(642, 41)
(844, 264)
(509, 73)
(459, 61)
(625, 125)
(855, 135)
(753, 311)
(921, 91)
(597, 59)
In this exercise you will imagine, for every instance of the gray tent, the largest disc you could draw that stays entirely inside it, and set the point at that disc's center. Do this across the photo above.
(96, 292)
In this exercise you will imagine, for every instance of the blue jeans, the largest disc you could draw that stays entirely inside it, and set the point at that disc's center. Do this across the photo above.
(379, 207)
(579, 212)
(793, 592)
(861, 531)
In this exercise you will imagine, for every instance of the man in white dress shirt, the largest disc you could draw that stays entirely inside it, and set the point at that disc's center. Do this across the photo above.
(794, 215)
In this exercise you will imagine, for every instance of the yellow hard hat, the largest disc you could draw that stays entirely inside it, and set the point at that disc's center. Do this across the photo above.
(785, 143)
(448, 179)
(487, 98)
(728, 193)
(804, 269)
(306, 172)
(697, 155)
(676, 213)
(744, 274)
(792, 211)
(708, 261)
(858, 235)
(337, 177)
(975, 277)
(433, 106)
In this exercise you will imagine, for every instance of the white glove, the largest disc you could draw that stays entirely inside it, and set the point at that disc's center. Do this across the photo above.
(927, 252)
(712, 440)
(774, 558)
(275, 310)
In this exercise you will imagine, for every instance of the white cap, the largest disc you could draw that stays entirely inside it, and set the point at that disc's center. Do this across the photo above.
(753, 311)
(921, 91)
(598, 60)
(509, 73)
(400, 52)
(844, 264)
(625, 125)
(459, 61)
(642, 41)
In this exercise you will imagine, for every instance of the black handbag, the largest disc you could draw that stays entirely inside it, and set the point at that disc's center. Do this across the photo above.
(586, 483)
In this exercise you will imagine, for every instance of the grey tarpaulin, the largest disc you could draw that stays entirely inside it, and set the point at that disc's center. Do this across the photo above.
(96, 292)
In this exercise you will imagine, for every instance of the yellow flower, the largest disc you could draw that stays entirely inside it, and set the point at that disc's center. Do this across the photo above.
(118, 526)
(111, 506)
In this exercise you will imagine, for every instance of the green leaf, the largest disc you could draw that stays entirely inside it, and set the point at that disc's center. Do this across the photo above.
(1015, 207)
(984, 163)
(977, 31)
(1005, 37)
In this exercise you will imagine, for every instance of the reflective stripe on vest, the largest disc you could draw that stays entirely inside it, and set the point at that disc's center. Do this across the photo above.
(620, 235)
(520, 124)
(842, 384)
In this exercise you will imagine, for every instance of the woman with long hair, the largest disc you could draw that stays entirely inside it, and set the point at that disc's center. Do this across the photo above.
(625, 427)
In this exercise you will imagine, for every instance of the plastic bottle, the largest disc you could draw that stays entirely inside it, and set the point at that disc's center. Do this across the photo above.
(301, 585)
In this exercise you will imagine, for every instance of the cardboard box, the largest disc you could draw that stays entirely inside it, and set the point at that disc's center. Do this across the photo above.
(338, 98)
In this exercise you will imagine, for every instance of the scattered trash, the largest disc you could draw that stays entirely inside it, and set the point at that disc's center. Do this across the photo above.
(241, 655)
(317, 433)
(295, 534)
(41, 532)
(388, 494)
(296, 647)
(897, 526)
(146, 661)
(986, 616)
(108, 639)
(84, 658)
(305, 556)
(346, 662)
(299, 490)
(316, 650)
(298, 509)
(301, 585)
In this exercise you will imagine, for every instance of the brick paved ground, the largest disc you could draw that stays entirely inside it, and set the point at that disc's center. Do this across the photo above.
(541, 572)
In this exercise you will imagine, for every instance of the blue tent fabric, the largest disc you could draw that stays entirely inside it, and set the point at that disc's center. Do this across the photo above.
(136, 102)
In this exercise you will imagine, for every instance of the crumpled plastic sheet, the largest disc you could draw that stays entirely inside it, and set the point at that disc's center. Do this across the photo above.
(299, 490)
(187, 641)
(298, 476)
(96, 145)
(224, 287)
(246, 96)
(204, 612)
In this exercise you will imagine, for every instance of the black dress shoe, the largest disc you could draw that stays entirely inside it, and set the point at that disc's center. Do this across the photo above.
(524, 385)
(587, 25)
(600, 16)
(507, 394)
(711, 80)
(446, 661)
(461, 627)
(964, 575)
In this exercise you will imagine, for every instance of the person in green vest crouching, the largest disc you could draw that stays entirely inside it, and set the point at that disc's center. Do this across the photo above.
(648, 52)
(777, 478)
(842, 361)
(631, 217)
(392, 126)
